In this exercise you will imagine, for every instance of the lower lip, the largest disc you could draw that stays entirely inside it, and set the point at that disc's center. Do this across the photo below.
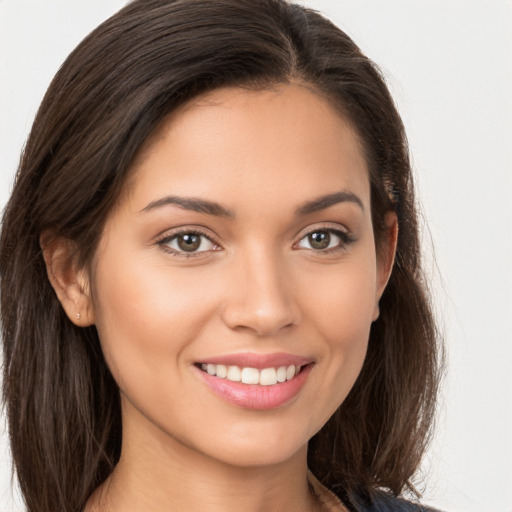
(255, 396)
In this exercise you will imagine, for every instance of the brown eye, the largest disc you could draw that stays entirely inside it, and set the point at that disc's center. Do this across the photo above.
(189, 242)
(319, 239)
(323, 240)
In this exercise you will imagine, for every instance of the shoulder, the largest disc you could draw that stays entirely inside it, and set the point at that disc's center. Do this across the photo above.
(383, 502)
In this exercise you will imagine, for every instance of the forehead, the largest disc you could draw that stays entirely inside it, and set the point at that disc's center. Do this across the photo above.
(236, 140)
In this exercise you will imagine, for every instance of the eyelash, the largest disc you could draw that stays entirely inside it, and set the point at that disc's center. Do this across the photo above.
(167, 239)
(345, 240)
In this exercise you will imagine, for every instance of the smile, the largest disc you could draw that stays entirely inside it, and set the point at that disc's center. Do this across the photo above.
(263, 377)
(255, 381)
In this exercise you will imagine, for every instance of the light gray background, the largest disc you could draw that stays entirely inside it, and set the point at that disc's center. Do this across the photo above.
(449, 66)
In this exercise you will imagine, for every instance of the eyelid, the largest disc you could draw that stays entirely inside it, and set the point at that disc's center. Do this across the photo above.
(337, 229)
(323, 226)
(167, 236)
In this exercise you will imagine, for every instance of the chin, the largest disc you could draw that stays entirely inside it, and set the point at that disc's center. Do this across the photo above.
(259, 448)
(262, 457)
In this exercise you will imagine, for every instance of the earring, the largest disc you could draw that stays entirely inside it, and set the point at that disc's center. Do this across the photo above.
(78, 316)
(376, 313)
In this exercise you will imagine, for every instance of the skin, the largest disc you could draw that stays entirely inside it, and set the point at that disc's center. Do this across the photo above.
(259, 286)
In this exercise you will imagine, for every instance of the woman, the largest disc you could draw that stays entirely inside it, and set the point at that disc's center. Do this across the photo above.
(211, 285)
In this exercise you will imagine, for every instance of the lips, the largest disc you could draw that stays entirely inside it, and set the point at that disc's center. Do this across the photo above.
(255, 381)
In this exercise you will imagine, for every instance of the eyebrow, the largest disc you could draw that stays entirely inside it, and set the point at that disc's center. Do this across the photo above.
(212, 208)
(192, 204)
(320, 203)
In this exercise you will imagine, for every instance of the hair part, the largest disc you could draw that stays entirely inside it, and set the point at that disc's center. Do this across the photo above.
(112, 92)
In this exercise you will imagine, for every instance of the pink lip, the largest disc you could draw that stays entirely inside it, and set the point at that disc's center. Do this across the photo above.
(255, 396)
(259, 361)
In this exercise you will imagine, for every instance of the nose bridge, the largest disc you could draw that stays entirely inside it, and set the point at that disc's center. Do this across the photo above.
(260, 300)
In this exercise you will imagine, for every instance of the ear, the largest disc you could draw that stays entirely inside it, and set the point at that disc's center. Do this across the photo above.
(386, 258)
(70, 282)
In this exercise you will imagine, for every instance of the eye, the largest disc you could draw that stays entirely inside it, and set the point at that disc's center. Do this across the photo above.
(324, 239)
(187, 243)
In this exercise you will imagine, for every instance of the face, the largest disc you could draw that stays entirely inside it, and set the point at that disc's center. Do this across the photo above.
(242, 248)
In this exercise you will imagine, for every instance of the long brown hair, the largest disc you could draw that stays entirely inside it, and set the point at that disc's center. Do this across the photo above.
(114, 89)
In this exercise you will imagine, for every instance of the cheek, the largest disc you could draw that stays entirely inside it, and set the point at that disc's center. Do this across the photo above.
(146, 315)
(342, 302)
(341, 307)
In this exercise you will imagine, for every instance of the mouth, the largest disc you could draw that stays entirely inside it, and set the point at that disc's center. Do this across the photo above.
(256, 381)
(247, 375)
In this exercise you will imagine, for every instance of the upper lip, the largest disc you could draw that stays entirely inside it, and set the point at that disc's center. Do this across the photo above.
(258, 361)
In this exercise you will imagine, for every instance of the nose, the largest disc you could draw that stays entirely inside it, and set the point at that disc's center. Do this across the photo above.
(260, 296)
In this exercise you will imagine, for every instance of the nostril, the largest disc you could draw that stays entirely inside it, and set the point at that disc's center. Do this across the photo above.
(260, 322)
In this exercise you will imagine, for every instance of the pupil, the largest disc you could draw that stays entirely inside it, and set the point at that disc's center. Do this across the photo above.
(189, 243)
(320, 239)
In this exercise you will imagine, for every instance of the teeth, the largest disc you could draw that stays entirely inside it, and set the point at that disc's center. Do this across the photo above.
(222, 371)
(268, 376)
(281, 374)
(250, 376)
(264, 377)
(234, 374)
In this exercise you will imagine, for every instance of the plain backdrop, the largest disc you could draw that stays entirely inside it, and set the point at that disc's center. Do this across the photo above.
(449, 66)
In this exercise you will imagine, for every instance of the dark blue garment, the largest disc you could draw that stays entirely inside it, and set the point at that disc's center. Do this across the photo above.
(385, 503)
(380, 501)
